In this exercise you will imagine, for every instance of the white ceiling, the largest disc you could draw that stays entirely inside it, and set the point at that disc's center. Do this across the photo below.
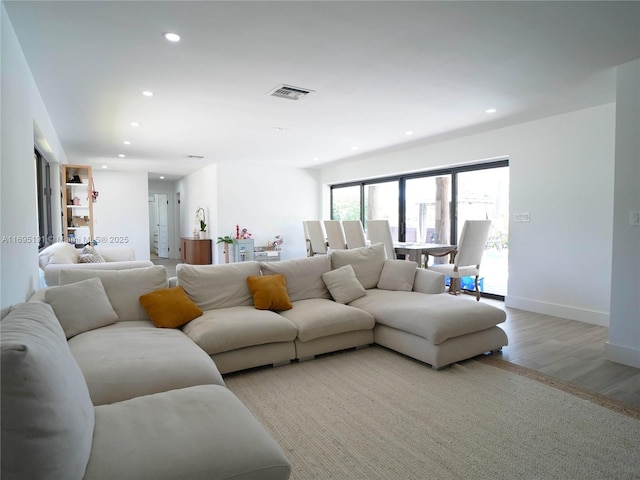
(378, 69)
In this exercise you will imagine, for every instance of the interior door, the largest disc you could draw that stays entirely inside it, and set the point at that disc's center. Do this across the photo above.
(162, 202)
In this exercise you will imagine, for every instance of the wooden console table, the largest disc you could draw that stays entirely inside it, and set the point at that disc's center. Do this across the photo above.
(196, 251)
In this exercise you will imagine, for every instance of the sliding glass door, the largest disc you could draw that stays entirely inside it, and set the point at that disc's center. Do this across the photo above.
(381, 203)
(428, 209)
(484, 194)
(432, 207)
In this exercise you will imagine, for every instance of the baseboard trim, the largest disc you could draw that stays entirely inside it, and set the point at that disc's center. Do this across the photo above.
(572, 313)
(621, 354)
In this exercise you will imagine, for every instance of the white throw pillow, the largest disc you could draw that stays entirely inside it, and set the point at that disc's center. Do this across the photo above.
(124, 287)
(343, 284)
(398, 275)
(367, 262)
(90, 255)
(58, 253)
(81, 306)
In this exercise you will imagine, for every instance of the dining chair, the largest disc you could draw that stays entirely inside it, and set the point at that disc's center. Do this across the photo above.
(315, 237)
(379, 231)
(354, 233)
(466, 263)
(335, 234)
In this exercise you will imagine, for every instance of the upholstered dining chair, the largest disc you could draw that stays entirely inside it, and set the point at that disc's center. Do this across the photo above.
(467, 261)
(335, 234)
(379, 231)
(354, 233)
(315, 236)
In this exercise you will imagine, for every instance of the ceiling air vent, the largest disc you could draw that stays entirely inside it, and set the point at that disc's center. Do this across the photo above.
(287, 91)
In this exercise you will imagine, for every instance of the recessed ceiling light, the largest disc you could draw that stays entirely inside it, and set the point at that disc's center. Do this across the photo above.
(127, 142)
(161, 177)
(172, 37)
(148, 93)
(122, 155)
(355, 147)
(490, 110)
(408, 133)
(104, 166)
(135, 124)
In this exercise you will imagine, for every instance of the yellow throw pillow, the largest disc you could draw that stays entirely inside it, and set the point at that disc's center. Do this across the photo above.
(269, 292)
(169, 307)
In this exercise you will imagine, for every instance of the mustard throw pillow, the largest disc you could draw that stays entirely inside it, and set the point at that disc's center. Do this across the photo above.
(169, 307)
(269, 292)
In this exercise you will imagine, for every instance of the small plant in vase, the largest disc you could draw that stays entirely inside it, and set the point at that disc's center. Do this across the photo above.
(227, 240)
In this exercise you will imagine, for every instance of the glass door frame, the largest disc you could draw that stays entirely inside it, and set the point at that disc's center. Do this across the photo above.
(402, 179)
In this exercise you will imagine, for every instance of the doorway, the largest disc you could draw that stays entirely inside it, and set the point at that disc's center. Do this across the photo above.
(159, 224)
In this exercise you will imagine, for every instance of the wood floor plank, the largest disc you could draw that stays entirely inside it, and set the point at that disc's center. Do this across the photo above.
(569, 350)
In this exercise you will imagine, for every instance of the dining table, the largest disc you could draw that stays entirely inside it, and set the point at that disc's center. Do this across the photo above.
(416, 251)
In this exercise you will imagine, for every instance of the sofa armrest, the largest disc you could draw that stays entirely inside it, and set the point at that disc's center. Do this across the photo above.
(428, 281)
(52, 271)
(173, 281)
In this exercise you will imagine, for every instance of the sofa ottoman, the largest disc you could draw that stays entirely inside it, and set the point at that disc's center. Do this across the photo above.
(436, 329)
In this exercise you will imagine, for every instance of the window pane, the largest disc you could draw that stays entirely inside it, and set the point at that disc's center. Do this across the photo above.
(381, 203)
(428, 209)
(346, 203)
(484, 194)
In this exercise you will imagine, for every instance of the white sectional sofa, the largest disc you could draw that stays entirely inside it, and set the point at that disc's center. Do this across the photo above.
(389, 302)
(65, 256)
(92, 389)
(109, 394)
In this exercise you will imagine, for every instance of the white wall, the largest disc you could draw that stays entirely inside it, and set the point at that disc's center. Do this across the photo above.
(199, 190)
(624, 332)
(268, 201)
(23, 114)
(561, 172)
(121, 214)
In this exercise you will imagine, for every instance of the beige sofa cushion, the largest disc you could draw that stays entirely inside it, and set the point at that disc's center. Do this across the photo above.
(304, 276)
(225, 329)
(218, 286)
(132, 359)
(367, 262)
(434, 317)
(343, 284)
(319, 317)
(123, 287)
(194, 433)
(398, 275)
(81, 306)
(47, 415)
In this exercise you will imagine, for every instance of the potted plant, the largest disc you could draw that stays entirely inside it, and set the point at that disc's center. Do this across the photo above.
(200, 222)
(227, 240)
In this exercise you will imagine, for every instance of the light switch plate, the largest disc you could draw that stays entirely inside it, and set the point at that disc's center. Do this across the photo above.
(521, 217)
(634, 217)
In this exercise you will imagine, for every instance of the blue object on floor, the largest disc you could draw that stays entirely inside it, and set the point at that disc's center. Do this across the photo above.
(468, 283)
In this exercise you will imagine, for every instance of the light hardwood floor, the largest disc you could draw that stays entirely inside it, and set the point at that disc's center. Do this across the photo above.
(569, 350)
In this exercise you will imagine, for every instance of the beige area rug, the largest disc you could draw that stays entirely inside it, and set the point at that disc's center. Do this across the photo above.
(375, 414)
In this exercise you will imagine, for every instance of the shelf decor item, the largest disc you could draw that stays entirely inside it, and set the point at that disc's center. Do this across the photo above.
(94, 192)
